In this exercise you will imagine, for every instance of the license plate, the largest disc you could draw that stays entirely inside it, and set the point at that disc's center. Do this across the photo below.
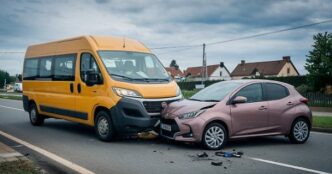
(166, 127)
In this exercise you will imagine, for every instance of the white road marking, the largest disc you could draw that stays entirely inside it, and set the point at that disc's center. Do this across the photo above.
(322, 133)
(50, 155)
(288, 165)
(11, 108)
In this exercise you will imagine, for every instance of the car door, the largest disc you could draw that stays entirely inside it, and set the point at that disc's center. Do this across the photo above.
(250, 117)
(87, 95)
(278, 97)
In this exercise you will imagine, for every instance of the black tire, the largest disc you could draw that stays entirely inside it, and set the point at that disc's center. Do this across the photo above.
(35, 118)
(299, 136)
(220, 142)
(104, 127)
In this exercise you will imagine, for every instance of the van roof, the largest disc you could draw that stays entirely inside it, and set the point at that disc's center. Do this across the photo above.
(81, 43)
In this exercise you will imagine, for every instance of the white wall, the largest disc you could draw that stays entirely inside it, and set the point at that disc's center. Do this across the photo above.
(216, 74)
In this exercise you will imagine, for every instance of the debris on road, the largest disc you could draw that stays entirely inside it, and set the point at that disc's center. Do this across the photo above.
(216, 163)
(148, 135)
(229, 154)
(202, 155)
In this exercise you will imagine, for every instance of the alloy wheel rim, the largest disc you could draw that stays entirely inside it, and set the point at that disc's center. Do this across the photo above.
(301, 131)
(103, 126)
(214, 137)
(33, 115)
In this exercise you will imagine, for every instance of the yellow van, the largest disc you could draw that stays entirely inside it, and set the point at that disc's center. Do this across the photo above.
(114, 84)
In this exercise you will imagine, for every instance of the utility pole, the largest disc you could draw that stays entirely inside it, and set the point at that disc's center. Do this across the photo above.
(204, 69)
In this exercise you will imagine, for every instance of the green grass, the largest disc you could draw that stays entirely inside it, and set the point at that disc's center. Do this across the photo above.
(11, 97)
(18, 167)
(188, 94)
(322, 122)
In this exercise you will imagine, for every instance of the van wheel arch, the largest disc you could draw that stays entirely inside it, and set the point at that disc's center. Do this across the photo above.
(99, 109)
(32, 102)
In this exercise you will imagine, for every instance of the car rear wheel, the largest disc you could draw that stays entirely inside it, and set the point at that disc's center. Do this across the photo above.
(214, 136)
(104, 127)
(35, 118)
(300, 131)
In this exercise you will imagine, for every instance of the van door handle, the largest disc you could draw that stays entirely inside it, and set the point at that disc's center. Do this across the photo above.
(79, 88)
(71, 87)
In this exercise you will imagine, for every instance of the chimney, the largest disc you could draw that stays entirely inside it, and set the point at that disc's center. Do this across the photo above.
(243, 62)
(222, 64)
(286, 58)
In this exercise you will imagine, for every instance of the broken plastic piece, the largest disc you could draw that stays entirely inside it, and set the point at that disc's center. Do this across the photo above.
(202, 155)
(216, 163)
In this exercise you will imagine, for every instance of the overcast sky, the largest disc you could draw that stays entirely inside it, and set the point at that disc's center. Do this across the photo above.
(159, 23)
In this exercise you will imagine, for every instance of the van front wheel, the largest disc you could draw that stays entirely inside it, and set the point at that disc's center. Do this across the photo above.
(103, 126)
(35, 118)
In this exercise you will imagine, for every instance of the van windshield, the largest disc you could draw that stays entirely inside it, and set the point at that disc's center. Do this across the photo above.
(216, 92)
(133, 66)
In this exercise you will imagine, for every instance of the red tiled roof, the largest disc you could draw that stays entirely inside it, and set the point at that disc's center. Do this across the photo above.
(264, 68)
(174, 72)
(197, 71)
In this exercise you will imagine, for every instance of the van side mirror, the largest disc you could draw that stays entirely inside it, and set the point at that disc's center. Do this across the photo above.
(239, 99)
(93, 77)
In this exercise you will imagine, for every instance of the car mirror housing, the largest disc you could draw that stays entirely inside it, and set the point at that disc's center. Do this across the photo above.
(239, 99)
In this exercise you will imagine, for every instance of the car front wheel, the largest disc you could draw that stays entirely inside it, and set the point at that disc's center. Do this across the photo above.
(300, 131)
(214, 136)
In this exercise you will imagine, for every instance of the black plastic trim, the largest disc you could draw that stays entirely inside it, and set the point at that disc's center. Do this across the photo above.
(25, 100)
(65, 112)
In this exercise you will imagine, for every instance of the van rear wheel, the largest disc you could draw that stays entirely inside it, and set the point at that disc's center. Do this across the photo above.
(35, 118)
(104, 127)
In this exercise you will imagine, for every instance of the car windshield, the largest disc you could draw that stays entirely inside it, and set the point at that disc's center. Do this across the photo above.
(216, 92)
(133, 66)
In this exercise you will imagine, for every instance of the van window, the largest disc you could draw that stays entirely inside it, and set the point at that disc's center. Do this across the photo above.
(275, 91)
(88, 63)
(64, 68)
(45, 68)
(30, 69)
(253, 93)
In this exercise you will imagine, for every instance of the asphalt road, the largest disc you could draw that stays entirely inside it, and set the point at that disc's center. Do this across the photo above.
(77, 143)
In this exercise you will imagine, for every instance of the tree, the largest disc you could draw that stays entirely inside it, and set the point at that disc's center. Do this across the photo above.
(319, 62)
(174, 64)
(4, 75)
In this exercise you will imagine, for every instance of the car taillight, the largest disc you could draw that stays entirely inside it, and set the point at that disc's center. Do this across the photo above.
(304, 100)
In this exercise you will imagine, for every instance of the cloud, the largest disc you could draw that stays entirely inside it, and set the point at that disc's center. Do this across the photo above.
(163, 23)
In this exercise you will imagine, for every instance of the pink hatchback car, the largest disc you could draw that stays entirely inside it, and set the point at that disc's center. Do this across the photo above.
(237, 109)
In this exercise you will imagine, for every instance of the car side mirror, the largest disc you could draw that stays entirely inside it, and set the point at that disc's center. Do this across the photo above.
(93, 77)
(239, 99)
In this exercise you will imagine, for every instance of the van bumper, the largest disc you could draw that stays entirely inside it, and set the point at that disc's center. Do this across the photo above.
(131, 116)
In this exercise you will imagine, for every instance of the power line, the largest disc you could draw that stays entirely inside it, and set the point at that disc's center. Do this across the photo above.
(245, 37)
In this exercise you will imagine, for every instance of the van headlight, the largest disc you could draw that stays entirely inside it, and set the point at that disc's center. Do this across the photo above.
(126, 92)
(178, 91)
(190, 115)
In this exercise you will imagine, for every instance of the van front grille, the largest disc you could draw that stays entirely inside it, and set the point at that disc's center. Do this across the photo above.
(154, 106)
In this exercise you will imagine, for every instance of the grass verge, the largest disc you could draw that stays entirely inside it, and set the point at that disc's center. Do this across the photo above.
(322, 122)
(18, 167)
(11, 97)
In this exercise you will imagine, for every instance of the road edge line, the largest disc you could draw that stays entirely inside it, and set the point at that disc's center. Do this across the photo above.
(48, 154)
(288, 165)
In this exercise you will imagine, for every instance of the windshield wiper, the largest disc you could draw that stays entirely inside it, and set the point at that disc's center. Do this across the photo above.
(210, 100)
(124, 77)
(194, 99)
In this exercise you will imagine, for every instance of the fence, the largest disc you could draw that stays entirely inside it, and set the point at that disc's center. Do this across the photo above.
(319, 99)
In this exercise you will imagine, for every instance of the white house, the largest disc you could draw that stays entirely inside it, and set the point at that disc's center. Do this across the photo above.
(214, 72)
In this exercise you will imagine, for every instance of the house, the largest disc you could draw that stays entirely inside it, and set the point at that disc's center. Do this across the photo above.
(214, 72)
(176, 73)
(277, 68)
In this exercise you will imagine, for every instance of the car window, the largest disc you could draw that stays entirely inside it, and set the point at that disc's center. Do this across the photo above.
(64, 68)
(275, 91)
(253, 93)
(30, 69)
(87, 63)
(45, 68)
